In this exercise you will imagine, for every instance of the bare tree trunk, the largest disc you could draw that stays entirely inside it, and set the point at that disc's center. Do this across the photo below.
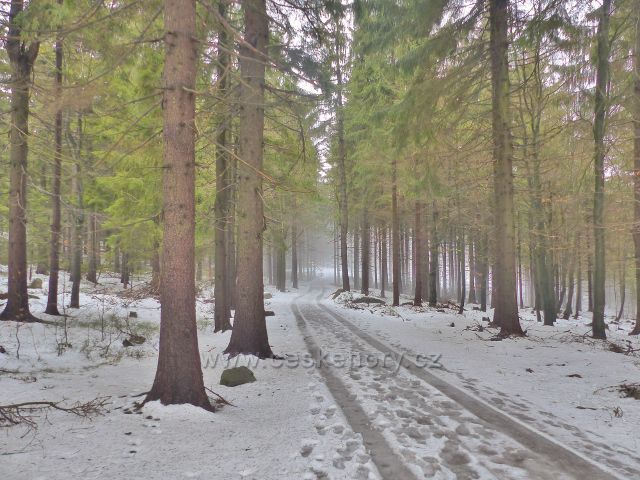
(520, 284)
(231, 249)
(78, 221)
(54, 252)
(462, 271)
(578, 281)
(636, 166)
(376, 257)
(178, 377)
(124, 269)
(602, 80)
(472, 271)
(249, 335)
(222, 283)
(433, 258)
(623, 287)
(445, 286)
(572, 270)
(21, 58)
(506, 307)
(395, 233)
(384, 263)
(92, 267)
(483, 255)
(366, 251)
(356, 258)
(417, 254)
(343, 207)
(294, 252)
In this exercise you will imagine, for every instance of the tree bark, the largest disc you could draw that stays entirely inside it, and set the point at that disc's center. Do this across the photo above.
(54, 245)
(249, 334)
(578, 282)
(462, 272)
(92, 250)
(572, 271)
(384, 263)
(365, 236)
(600, 114)
(222, 283)
(356, 258)
(483, 270)
(506, 307)
(21, 58)
(636, 165)
(178, 377)
(294, 251)
(343, 208)
(433, 257)
(417, 254)
(78, 221)
(395, 233)
(472, 271)
(623, 287)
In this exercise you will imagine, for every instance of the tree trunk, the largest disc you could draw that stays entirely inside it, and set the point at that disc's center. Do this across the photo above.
(602, 80)
(623, 287)
(222, 283)
(578, 282)
(417, 254)
(249, 334)
(92, 241)
(472, 272)
(445, 287)
(636, 166)
(572, 270)
(356, 258)
(21, 58)
(366, 252)
(433, 258)
(384, 263)
(281, 260)
(462, 272)
(483, 255)
(178, 377)
(294, 252)
(520, 284)
(124, 270)
(78, 220)
(54, 251)
(231, 232)
(395, 227)
(343, 208)
(376, 257)
(506, 307)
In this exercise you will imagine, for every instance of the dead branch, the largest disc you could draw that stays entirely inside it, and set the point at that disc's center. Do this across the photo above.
(23, 413)
(221, 398)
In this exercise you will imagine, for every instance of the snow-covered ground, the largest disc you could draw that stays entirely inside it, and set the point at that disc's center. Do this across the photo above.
(285, 425)
(556, 382)
(556, 379)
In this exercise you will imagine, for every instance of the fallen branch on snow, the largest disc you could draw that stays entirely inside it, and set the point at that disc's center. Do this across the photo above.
(24, 413)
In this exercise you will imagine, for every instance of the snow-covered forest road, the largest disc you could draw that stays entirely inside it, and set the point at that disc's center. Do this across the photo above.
(413, 420)
(461, 406)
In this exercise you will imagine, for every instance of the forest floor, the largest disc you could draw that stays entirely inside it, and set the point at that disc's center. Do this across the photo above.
(543, 406)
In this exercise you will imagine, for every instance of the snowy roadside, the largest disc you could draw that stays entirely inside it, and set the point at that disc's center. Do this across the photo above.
(556, 379)
(285, 425)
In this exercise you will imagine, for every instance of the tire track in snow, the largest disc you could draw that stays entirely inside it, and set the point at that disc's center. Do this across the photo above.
(389, 464)
(549, 454)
